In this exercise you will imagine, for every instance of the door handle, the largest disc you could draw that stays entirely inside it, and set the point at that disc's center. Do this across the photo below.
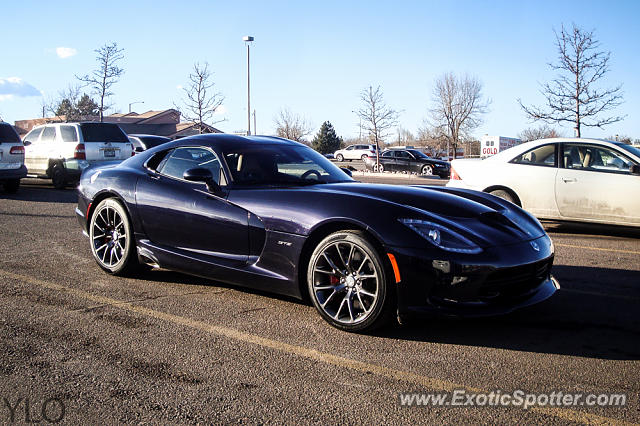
(569, 180)
(153, 176)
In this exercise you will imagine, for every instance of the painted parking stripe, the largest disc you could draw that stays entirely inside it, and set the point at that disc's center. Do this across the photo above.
(597, 248)
(304, 352)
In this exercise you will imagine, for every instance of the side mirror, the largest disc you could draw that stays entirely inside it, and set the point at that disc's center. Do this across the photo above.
(26, 143)
(635, 169)
(139, 149)
(347, 171)
(200, 174)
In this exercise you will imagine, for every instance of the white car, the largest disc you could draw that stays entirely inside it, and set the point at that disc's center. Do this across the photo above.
(567, 179)
(61, 151)
(12, 167)
(355, 152)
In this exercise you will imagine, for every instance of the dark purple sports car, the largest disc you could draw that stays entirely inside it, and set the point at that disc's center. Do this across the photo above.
(275, 215)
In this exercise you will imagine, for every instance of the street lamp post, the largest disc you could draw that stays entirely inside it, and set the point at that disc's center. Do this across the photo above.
(248, 40)
(133, 103)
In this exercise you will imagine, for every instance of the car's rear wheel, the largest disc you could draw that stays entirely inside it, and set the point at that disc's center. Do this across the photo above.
(11, 186)
(58, 176)
(378, 168)
(364, 157)
(427, 170)
(505, 195)
(111, 237)
(347, 282)
(340, 157)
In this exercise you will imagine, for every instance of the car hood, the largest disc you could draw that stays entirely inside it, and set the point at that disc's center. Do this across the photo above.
(486, 219)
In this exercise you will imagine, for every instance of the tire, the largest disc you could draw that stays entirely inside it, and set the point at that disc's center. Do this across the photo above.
(340, 157)
(11, 186)
(58, 176)
(427, 170)
(347, 283)
(364, 157)
(378, 168)
(108, 227)
(505, 195)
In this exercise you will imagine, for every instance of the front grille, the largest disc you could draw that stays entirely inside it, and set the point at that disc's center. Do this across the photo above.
(515, 281)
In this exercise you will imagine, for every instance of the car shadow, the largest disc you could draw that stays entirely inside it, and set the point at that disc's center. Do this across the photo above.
(43, 194)
(590, 229)
(595, 323)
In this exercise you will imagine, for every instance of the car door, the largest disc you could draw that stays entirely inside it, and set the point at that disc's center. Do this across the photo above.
(388, 160)
(39, 151)
(595, 184)
(349, 153)
(183, 215)
(403, 161)
(532, 175)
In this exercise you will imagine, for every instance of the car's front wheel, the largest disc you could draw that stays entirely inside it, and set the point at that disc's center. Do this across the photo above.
(427, 170)
(340, 157)
(347, 282)
(111, 238)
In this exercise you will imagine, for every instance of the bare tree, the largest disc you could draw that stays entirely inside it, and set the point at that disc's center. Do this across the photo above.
(376, 117)
(457, 108)
(106, 75)
(541, 132)
(573, 96)
(292, 126)
(201, 103)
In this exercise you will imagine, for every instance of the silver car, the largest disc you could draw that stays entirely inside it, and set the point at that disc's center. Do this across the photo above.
(12, 167)
(61, 151)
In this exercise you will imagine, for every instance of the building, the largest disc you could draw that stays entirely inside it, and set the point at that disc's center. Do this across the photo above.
(162, 123)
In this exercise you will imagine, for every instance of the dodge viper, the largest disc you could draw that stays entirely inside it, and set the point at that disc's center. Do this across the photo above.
(275, 215)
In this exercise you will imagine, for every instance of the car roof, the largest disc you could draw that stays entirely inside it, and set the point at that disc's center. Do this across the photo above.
(523, 147)
(226, 141)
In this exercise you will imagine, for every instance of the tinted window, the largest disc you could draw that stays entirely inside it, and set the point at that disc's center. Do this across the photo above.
(281, 165)
(33, 135)
(153, 141)
(403, 154)
(8, 134)
(387, 154)
(595, 158)
(68, 134)
(102, 132)
(48, 134)
(349, 148)
(418, 154)
(183, 159)
(544, 155)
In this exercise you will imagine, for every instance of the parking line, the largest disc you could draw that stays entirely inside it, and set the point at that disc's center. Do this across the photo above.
(597, 248)
(304, 352)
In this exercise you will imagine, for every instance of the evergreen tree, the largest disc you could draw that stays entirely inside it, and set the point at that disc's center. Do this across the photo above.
(326, 141)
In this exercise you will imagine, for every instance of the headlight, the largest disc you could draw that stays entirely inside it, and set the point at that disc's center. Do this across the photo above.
(442, 237)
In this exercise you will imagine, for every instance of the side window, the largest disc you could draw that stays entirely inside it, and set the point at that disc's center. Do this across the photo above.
(387, 154)
(49, 134)
(595, 158)
(350, 148)
(33, 135)
(403, 154)
(183, 159)
(68, 134)
(544, 155)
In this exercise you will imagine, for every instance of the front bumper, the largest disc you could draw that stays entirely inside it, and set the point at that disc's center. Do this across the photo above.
(497, 281)
(17, 173)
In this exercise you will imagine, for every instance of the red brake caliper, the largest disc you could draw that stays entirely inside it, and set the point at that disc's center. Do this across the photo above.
(334, 280)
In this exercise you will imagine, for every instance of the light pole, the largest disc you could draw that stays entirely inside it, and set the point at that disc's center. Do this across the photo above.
(133, 103)
(248, 40)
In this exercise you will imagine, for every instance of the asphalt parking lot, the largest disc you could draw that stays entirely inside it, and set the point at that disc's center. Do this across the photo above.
(77, 345)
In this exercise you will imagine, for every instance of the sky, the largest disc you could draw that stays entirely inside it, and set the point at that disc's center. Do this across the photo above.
(313, 58)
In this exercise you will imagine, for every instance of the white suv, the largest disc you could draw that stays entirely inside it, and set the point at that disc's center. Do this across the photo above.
(355, 152)
(12, 167)
(61, 152)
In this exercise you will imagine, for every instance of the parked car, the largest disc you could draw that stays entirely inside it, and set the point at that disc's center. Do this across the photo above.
(410, 161)
(566, 179)
(355, 152)
(143, 142)
(12, 167)
(61, 151)
(276, 215)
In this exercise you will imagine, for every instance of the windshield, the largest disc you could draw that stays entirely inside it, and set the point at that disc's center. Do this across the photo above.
(629, 148)
(418, 154)
(281, 165)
